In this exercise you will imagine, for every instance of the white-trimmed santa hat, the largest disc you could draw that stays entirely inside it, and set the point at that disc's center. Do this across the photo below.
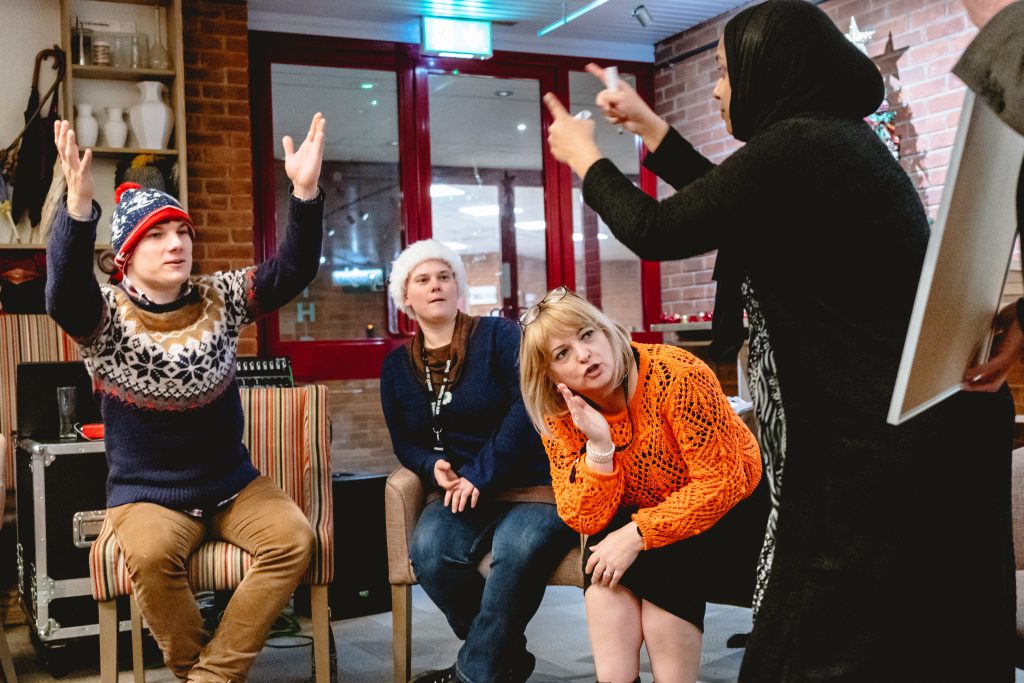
(412, 256)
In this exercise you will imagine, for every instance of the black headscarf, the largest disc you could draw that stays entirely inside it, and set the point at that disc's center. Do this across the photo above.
(784, 57)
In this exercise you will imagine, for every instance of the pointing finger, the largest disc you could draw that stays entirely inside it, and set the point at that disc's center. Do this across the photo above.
(555, 107)
(595, 70)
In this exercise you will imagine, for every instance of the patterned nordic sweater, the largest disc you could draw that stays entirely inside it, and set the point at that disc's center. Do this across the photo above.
(692, 458)
(165, 373)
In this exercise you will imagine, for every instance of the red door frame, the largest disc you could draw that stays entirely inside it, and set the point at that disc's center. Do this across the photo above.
(362, 358)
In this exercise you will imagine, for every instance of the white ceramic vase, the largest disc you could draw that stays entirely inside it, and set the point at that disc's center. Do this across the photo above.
(115, 130)
(87, 128)
(151, 118)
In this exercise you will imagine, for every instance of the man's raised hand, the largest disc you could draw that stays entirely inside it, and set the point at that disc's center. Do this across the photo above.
(302, 166)
(77, 170)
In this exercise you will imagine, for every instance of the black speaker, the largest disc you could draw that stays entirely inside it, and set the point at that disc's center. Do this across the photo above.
(360, 585)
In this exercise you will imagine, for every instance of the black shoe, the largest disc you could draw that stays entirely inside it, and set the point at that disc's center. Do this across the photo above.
(521, 670)
(438, 676)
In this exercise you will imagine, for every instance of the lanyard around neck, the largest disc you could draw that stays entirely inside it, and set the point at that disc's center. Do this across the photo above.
(436, 401)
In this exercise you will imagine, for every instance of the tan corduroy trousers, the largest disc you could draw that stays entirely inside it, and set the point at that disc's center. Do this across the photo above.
(157, 542)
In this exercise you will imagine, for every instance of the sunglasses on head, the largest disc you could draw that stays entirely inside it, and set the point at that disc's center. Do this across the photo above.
(533, 312)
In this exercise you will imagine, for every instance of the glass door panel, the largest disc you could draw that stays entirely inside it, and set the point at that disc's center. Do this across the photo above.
(360, 178)
(487, 186)
(607, 273)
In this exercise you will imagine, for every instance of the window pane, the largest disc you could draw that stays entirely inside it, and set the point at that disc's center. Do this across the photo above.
(360, 178)
(487, 193)
(607, 273)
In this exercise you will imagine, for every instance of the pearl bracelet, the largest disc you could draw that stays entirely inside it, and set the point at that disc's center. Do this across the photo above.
(597, 457)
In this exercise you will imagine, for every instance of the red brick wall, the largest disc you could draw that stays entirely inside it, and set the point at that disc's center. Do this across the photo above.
(219, 137)
(926, 96)
(361, 439)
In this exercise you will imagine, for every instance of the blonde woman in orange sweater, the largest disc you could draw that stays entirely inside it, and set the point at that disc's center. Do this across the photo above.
(649, 459)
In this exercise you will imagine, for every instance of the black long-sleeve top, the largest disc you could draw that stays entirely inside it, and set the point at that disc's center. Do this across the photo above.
(832, 235)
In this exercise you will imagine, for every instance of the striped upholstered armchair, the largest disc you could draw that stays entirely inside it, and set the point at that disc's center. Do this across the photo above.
(287, 432)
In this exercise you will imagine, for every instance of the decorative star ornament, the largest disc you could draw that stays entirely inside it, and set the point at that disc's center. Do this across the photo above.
(858, 37)
(887, 60)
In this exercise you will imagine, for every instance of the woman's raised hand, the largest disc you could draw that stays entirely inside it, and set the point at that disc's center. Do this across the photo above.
(624, 107)
(571, 140)
(77, 170)
(303, 165)
(587, 419)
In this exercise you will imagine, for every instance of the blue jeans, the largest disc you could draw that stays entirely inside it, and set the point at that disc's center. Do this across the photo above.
(527, 541)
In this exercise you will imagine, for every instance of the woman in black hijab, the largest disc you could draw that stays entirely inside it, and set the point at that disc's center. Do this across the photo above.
(893, 557)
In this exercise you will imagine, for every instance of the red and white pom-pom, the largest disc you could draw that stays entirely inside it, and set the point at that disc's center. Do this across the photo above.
(124, 187)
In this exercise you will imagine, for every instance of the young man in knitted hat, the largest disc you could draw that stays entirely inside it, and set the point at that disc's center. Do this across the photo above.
(160, 347)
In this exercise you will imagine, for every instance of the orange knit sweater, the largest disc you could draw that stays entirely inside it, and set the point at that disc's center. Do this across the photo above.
(691, 460)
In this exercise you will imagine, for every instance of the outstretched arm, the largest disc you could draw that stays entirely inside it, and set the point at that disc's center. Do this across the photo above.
(73, 296)
(282, 277)
(700, 217)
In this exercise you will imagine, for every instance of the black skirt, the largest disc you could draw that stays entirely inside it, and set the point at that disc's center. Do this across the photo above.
(717, 566)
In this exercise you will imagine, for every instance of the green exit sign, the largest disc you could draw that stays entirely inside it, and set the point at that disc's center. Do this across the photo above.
(464, 38)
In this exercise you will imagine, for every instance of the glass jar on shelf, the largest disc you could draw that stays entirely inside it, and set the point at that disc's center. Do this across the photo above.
(121, 50)
(101, 52)
(139, 51)
(81, 45)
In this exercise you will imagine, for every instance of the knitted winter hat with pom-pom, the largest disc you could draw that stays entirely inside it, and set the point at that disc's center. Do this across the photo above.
(139, 209)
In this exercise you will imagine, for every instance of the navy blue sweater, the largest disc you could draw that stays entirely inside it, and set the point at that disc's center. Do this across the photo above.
(165, 374)
(488, 437)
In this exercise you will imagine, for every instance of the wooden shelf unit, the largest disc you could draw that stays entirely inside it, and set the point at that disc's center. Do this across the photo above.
(174, 78)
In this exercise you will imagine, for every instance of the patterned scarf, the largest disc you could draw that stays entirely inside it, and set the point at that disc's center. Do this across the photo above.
(436, 358)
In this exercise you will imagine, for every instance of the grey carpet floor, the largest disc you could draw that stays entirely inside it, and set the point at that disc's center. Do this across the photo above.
(557, 636)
